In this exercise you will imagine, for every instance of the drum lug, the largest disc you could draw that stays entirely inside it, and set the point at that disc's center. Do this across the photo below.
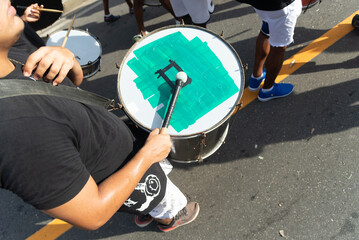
(222, 34)
(202, 145)
(118, 65)
(119, 106)
(245, 67)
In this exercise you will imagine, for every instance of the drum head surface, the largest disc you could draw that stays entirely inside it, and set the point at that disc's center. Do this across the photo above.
(147, 77)
(85, 47)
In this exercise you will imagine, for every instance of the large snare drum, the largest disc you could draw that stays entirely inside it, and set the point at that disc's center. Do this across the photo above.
(211, 95)
(86, 48)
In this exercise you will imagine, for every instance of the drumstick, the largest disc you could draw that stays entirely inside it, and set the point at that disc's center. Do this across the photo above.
(49, 10)
(68, 32)
(42, 9)
(181, 78)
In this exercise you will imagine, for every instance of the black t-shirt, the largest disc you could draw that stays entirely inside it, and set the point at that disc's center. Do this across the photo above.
(268, 5)
(49, 146)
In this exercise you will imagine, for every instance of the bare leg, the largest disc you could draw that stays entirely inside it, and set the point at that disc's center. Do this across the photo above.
(166, 4)
(262, 51)
(274, 63)
(129, 3)
(106, 7)
(138, 11)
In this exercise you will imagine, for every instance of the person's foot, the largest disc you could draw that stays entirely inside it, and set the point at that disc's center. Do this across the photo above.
(139, 36)
(143, 220)
(131, 11)
(187, 215)
(279, 90)
(111, 18)
(255, 83)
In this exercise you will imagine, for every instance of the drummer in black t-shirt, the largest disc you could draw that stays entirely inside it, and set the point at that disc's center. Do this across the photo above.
(279, 18)
(73, 161)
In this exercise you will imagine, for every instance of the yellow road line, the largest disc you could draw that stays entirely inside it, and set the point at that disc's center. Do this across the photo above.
(57, 227)
(51, 231)
(307, 53)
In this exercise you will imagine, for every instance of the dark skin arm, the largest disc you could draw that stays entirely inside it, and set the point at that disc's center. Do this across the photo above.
(95, 204)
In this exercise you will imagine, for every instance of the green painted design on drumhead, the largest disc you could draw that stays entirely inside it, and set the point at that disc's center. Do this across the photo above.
(211, 85)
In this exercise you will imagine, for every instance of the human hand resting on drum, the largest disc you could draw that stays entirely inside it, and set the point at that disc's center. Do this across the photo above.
(32, 13)
(53, 64)
(157, 146)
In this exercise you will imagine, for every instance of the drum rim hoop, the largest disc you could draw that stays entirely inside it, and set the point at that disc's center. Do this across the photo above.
(225, 118)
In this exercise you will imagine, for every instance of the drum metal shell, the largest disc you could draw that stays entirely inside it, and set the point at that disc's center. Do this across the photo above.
(195, 148)
(91, 68)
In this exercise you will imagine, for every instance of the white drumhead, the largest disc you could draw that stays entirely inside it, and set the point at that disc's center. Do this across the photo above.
(205, 103)
(84, 46)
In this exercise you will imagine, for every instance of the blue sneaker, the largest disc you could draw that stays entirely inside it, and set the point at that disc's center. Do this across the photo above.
(255, 83)
(279, 90)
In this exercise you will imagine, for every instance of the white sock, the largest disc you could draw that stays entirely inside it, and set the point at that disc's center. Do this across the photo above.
(108, 15)
(267, 90)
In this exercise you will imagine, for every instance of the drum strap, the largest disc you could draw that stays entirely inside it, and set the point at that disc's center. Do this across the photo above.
(17, 87)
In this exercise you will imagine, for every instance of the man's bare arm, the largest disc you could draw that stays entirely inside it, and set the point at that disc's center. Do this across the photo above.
(95, 204)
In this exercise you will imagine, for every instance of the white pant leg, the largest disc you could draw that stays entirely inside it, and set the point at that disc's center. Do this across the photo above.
(281, 23)
(173, 201)
(197, 9)
(178, 8)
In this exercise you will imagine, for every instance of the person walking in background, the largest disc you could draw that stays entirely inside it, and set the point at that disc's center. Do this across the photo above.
(112, 18)
(279, 18)
(193, 12)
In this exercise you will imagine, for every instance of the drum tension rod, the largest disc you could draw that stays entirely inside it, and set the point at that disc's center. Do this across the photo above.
(119, 106)
(245, 67)
(222, 34)
(202, 145)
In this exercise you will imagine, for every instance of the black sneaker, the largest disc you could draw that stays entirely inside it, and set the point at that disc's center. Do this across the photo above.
(187, 215)
(111, 18)
(143, 220)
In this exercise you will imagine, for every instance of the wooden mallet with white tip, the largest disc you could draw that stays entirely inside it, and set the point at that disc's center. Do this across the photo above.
(181, 78)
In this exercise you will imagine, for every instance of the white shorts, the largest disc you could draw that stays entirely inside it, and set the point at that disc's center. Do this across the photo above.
(281, 23)
(197, 9)
(173, 201)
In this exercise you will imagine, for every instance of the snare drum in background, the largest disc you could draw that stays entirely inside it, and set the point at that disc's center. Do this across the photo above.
(208, 99)
(308, 3)
(86, 48)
